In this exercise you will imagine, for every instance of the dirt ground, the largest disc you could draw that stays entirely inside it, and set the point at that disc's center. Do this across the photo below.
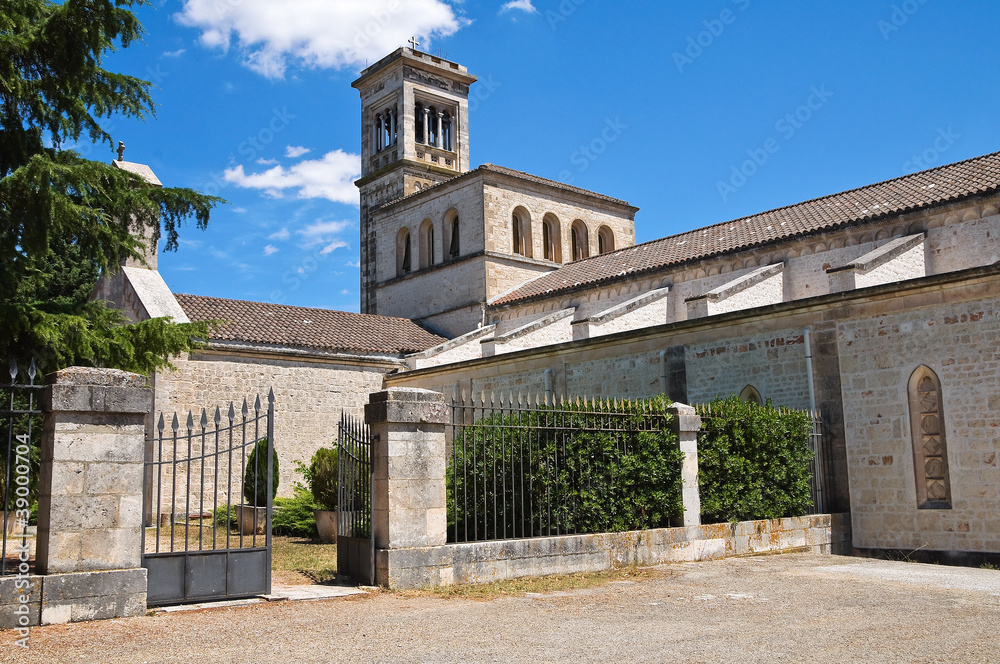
(788, 608)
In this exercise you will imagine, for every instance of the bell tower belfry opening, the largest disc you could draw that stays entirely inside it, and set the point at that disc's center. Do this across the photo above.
(414, 134)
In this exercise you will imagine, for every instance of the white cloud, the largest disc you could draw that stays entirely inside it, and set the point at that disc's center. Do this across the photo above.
(331, 177)
(336, 244)
(279, 235)
(316, 33)
(345, 292)
(353, 264)
(267, 162)
(322, 231)
(270, 249)
(296, 152)
(174, 54)
(523, 5)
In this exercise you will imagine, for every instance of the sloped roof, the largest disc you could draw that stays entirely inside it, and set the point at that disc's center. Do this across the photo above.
(322, 329)
(951, 182)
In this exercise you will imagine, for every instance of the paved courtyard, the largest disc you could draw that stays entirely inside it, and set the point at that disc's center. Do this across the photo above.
(789, 608)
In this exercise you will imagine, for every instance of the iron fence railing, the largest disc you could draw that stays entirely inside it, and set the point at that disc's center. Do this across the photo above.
(354, 485)
(20, 417)
(518, 466)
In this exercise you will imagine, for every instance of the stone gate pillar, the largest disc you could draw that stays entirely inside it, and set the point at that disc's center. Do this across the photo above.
(687, 424)
(409, 509)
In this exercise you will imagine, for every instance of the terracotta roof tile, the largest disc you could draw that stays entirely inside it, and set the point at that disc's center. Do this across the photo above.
(322, 329)
(904, 194)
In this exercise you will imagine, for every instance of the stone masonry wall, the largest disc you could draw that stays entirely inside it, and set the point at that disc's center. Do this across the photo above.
(960, 342)
(309, 398)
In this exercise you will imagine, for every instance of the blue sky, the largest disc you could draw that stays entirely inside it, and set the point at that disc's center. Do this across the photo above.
(696, 113)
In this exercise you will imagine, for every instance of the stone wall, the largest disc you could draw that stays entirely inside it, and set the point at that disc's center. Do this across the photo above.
(309, 396)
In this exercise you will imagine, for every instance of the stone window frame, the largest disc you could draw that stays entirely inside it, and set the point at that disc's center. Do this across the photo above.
(404, 253)
(579, 240)
(605, 239)
(451, 236)
(426, 244)
(928, 439)
(752, 394)
(521, 232)
(551, 238)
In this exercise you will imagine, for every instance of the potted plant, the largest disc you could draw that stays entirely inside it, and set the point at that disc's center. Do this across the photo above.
(321, 478)
(252, 517)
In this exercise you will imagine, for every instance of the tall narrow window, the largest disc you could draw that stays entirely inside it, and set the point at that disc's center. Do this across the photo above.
(418, 125)
(551, 241)
(546, 241)
(427, 244)
(516, 230)
(404, 260)
(930, 452)
(605, 240)
(579, 241)
(453, 246)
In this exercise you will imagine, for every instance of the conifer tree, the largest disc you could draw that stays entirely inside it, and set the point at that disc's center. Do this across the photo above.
(65, 219)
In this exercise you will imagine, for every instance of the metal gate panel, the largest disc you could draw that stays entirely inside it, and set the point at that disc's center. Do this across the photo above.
(355, 541)
(191, 552)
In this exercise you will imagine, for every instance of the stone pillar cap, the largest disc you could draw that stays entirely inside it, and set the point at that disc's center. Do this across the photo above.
(99, 377)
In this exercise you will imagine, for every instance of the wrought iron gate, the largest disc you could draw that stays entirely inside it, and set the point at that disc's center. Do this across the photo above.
(20, 431)
(355, 541)
(203, 544)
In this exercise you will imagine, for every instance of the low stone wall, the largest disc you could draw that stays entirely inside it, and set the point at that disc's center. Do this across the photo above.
(482, 562)
(62, 598)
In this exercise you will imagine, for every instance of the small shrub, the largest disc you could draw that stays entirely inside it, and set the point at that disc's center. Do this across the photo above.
(255, 477)
(321, 477)
(224, 517)
(753, 462)
(293, 517)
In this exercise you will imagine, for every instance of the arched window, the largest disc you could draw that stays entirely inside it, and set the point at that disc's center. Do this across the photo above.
(605, 240)
(403, 253)
(521, 232)
(751, 394)
(426, 244)
(551, 240)
(930, 452)
(579, 240)
(446, 132)
(451, 237)
(418, 124)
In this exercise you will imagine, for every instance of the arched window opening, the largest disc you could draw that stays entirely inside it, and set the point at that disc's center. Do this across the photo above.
(433, 127)
(377, 136)
(450, 242)
(579, 241)
(927, 430)
(426, 244)
(446, 132)
(419, 135)
(551, 241)
(605, 240)
(751, 395)
(403, 253)
(521, 232)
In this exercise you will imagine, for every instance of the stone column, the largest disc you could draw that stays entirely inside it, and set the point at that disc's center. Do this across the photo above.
(409, 507)
(90, 500)
(427, 126)
(687, 424)
(392, 127)
(438, 143)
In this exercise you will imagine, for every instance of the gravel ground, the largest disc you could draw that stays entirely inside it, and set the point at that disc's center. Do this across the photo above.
(788, 608)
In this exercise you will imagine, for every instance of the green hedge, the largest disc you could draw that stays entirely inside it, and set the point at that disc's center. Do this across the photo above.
(753, 462)
(559, 472)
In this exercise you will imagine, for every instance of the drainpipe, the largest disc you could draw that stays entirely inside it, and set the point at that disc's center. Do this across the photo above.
(663, 372)
(812, 413)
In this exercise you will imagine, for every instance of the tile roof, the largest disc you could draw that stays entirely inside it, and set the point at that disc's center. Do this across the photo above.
(322, 329)
(951, 182)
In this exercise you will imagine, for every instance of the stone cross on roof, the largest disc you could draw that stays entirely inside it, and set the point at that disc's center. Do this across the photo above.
(414, 43)
(121, 151)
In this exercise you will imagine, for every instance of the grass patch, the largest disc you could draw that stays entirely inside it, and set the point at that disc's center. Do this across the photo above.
(989, 566)
(308, 558)
(543, 584)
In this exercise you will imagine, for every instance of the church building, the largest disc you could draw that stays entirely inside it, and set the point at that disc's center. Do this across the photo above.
(877, 307)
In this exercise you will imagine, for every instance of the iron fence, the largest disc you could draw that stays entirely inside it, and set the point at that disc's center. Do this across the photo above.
(522, 467)
(354, 491)
(20, 413)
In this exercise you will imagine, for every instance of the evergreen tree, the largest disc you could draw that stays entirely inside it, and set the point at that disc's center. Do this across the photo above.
(65, 219)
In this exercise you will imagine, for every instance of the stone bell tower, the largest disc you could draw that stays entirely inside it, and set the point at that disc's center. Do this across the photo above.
(414, 134)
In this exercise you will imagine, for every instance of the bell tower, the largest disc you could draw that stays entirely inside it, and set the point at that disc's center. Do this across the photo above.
(414, 134)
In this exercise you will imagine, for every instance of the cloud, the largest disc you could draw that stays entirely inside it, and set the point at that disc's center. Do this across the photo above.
(267, 162)
(269, 249)
(174, 54)
(353, 264)
(336, 244)
(336, 34)
(331, 177)
(296, 152)
(279, 235)
(322, 232)
(523, 5)
(345, 292)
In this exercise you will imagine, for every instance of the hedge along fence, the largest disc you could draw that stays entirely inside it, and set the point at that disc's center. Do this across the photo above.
(754, 462)
(527, 470)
